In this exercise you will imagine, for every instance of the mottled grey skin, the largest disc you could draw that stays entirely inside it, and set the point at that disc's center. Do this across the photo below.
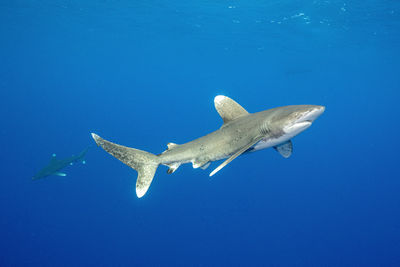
(232, 136)
(241, 132)
(55, 165)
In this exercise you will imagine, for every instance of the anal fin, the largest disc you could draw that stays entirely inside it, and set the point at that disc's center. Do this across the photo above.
(173, 167)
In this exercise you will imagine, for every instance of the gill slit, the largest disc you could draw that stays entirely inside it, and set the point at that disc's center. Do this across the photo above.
(265, 130)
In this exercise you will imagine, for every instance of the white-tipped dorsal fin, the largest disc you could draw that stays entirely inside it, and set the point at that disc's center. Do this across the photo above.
(228, 109)
(53, 158)
(285, 149)
(171, 145)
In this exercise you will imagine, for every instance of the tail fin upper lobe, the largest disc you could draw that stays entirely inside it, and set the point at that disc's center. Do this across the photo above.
(143, 162)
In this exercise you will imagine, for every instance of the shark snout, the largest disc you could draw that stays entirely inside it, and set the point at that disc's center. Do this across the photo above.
(312, 114)
(304, 118)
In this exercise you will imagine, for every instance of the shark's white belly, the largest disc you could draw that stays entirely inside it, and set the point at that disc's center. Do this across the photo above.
(263, 144)
(268, 142)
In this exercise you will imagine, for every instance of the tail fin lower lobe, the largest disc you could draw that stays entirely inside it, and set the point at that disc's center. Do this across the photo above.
(143, 162)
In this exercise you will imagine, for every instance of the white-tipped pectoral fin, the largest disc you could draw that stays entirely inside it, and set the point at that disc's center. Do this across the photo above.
(200, 163)
(238, 153)
(60, 174)
(285, 149)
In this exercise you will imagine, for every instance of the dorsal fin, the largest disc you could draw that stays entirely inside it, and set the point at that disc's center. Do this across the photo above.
(171, 145)
(53, 158)
(228, 109)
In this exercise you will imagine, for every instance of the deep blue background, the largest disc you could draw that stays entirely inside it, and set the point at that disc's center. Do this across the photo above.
(144, 73)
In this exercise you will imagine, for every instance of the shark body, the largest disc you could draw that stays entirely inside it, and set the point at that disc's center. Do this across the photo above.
(56, 165)
(241, 132)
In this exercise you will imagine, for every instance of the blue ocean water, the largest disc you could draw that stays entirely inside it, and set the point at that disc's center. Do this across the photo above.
(144, 73)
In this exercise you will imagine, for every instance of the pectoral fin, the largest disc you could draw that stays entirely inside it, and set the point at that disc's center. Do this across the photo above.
(238, 153)
(199, 163)
(285, 149)
(60, 174)
(205, 166)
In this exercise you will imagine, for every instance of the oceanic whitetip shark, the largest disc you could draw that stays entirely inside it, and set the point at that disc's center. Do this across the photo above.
(55, 165)
(241, 132)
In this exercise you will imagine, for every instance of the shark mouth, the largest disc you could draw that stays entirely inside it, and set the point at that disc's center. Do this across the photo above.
(304, 121)
(297, 127)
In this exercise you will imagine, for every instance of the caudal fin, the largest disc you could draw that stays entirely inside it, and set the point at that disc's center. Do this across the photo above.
(143, 162)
